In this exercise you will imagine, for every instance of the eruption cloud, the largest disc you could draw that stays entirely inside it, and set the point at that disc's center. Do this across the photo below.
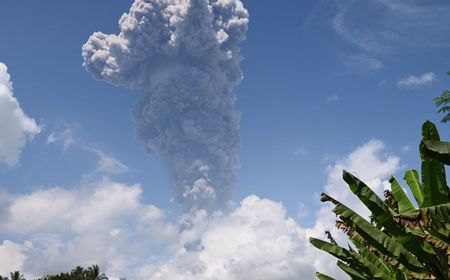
(185, 55)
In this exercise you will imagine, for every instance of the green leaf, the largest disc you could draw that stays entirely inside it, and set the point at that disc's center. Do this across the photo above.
(333, 249)
(404, 204)
(380, 210)
(412, 179)
(438, 150)
(435, 190)
(438, 216)
(378, 268)
(353, 273)
(321, 276)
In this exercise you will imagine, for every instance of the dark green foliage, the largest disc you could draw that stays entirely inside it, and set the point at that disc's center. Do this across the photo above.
(78, 273)
(443, 103)
(401, 241)
(16, 276)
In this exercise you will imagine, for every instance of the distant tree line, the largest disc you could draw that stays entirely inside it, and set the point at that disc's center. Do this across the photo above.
(78, 273)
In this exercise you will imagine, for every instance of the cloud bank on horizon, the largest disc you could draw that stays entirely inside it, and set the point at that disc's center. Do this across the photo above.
(185, 55)
(106, 222)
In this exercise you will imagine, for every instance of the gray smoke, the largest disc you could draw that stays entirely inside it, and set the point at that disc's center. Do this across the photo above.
(185, 55)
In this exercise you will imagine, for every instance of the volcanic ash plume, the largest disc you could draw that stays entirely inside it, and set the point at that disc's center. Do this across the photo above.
(185, 55)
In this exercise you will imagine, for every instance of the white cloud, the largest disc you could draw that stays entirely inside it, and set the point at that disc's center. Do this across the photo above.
(66, 136)
(332, 98)
(108, 164)
(11, 257)
(417, 81)
(106, 222)
(255, 241)
(76, 210)
(380, 29)
(406, 148)
(391, 24)
(363, 39)
(16, 128)
(259, 241)
(368, 163)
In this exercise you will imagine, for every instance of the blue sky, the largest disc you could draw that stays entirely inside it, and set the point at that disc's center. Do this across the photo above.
(321, 78)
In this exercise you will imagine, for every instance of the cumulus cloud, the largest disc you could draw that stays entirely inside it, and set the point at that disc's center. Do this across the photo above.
(108, 223)
(369, 163)
(255, 241)
(41, 210)
(417, 81)
(11, 257)
(258, 240)
(185, 56)
(374, 166)
(105, 223)
(16, 128)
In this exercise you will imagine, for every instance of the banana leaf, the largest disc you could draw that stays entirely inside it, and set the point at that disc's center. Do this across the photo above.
(435, 190)
(438, 150)
(384, 215)
(353, 273)
(349, 256)
(375, 237)
(412, 179)
(378, 268)
(333, 249)
(437, 216)
(380, 209)
(404, 204)
(321, 276)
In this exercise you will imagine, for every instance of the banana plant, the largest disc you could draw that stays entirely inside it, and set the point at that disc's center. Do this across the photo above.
(405, 239)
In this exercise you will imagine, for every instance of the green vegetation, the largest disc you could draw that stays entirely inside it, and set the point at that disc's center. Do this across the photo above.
(13, 276)
(443, 103)
(78, 273)
(403, 240)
